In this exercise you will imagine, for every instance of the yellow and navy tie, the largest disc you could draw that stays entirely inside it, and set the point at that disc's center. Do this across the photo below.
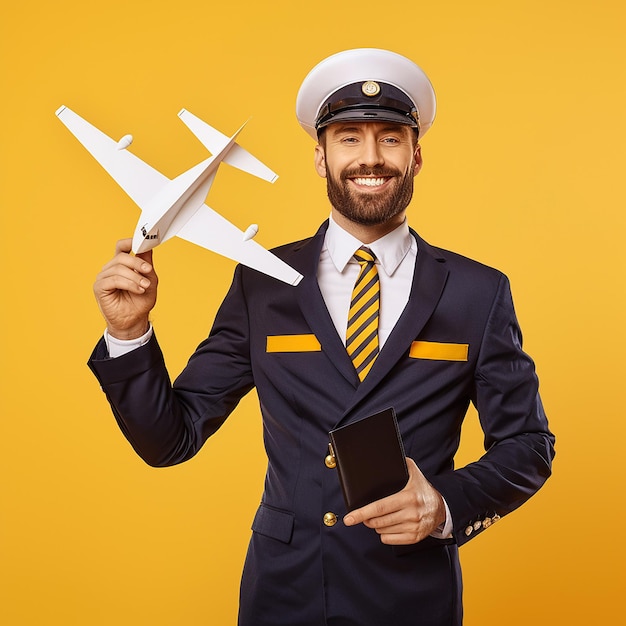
(362, 333)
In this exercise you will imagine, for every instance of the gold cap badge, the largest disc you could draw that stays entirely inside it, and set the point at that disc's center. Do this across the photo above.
(370, 88)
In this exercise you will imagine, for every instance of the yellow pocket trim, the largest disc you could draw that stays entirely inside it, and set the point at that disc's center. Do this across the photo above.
(439, 351)
(292, 343)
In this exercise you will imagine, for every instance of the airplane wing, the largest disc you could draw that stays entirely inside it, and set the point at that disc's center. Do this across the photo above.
(214, 141)
(209, 229)
(140, 181)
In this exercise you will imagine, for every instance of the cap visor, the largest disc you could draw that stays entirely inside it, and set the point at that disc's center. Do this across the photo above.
(369, 115)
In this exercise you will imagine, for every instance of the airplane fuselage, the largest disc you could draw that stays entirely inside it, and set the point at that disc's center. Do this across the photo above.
(172, 207)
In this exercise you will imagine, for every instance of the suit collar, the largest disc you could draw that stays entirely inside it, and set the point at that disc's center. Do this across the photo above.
(389, 250)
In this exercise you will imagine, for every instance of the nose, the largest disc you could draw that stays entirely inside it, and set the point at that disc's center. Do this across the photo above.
(370, 154)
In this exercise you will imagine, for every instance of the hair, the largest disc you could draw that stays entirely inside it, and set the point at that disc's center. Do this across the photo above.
(321, 137)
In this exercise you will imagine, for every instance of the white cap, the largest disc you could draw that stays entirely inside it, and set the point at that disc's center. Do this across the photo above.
(366, 84)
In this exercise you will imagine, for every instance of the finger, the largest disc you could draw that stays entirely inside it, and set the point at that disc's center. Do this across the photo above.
(396, 529)
(134, 263)
(402, 539)
(129, 267)
(394, 520)
(407, 532)
(376, 509)
(131, 282)
(120, 276)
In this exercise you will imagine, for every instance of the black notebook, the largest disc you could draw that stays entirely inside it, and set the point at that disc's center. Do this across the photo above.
(370, 458)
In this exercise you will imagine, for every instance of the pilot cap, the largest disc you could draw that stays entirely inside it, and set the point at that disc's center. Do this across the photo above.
(366, 84)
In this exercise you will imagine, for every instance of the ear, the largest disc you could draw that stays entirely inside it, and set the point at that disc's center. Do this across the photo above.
(417, 155)
(320, 160)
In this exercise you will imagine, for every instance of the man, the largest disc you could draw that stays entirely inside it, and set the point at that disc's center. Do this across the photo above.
(439, 332)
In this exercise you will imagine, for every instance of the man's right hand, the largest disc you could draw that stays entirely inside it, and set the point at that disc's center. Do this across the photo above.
(126, 291)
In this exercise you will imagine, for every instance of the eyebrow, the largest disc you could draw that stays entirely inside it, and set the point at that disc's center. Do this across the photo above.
(391, 128)
(347, 129)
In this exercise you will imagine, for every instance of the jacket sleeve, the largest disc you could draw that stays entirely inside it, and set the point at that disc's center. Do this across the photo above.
(167, 424)
(519, 445)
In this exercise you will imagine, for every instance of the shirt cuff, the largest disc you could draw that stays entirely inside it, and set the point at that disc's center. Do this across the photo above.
(120, 347)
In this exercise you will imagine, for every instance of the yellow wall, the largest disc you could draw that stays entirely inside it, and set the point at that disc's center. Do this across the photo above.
(524, 170)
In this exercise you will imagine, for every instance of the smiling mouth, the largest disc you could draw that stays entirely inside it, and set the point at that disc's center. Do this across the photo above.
(370, 182)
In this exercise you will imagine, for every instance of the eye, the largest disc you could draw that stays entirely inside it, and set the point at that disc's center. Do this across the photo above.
(349, 139)
(391, 140)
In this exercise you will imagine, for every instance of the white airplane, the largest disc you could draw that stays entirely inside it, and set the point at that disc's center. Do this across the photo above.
(176, 207)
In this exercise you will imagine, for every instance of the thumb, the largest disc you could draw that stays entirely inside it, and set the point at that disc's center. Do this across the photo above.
(414, 471)
(416, 477)
(430, 496)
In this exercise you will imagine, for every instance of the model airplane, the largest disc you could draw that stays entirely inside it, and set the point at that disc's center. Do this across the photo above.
(176, 207)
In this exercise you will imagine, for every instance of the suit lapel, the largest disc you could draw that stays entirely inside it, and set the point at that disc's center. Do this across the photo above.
(305, 259)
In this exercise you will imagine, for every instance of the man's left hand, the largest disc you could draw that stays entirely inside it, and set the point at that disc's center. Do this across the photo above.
(405, 517)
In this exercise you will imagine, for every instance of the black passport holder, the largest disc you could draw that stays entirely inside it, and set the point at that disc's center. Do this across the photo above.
(370, 458)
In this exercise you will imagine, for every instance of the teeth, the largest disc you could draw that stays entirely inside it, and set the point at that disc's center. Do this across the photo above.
(370, 182)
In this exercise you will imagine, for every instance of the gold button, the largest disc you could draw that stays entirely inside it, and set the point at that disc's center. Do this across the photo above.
(495, 518)
(477, 525)
(330, 519)
(330, 461)
(486, 522)
(469, 530)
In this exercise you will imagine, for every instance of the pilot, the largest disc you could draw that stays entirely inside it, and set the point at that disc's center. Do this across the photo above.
(381, 319)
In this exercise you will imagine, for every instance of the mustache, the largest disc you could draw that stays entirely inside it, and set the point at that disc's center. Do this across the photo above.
(377, 171)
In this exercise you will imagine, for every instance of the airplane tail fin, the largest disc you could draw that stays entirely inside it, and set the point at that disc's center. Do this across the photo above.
(214, 141)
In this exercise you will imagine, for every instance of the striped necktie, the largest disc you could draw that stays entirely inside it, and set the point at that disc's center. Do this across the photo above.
(362, 333)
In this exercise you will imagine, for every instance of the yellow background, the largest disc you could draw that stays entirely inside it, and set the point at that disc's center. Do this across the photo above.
(524, 170)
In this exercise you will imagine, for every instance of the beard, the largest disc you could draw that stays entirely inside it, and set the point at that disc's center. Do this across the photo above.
(370, 209)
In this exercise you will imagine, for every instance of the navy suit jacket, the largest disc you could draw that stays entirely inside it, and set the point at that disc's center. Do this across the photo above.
(456, 342)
